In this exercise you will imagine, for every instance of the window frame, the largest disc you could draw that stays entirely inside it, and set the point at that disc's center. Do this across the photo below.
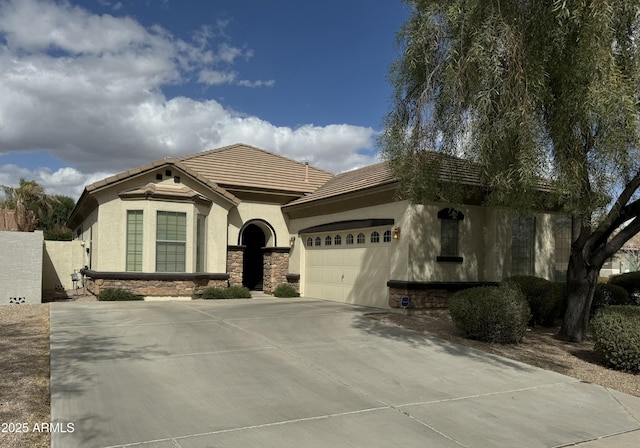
(523, 254)
(450, 219)
(179, 245)
(135, 264)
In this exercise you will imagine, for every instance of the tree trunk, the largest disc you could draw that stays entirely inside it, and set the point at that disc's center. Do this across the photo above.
(582, 279)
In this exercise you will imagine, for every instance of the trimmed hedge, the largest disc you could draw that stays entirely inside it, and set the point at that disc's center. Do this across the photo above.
(285, 290)
(608, 295)
(491, 314)
(117, 295)
(544, 297)
(631, 283)
(232, 292)
(616, 336)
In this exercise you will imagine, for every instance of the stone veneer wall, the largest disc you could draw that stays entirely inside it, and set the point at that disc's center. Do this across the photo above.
(235, 264)
(154, 285)
(427, 295)
(294, 280)
(276, 267)
(419, 299)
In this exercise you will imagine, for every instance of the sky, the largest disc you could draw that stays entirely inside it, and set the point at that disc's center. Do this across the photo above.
(90, 88)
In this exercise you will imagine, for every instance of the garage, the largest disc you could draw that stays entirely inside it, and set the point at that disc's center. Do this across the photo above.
(348, 265)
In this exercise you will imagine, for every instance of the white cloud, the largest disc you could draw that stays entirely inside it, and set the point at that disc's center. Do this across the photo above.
(66, 181)
(88, 88)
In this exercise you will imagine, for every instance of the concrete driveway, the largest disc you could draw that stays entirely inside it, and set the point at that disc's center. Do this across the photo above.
(303, 373)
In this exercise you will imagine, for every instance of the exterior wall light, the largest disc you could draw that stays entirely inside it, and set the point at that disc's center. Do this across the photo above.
(292, 241)
(396, 233)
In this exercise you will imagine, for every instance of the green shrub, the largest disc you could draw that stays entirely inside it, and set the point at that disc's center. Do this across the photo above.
(544, 297)
(285, 290)
(616, 336)
(608, 295)
(117, 295)
(213, 293)
(491, 314)
(631, 283)
(232, 292)
(238, 292)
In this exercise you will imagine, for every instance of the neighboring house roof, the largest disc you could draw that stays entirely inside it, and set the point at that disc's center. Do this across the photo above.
(633, 244)
(242, 165)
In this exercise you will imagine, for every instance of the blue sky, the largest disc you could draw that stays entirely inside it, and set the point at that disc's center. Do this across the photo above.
(93, 87)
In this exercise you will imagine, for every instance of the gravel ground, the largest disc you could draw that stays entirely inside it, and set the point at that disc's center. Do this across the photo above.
(539, 348)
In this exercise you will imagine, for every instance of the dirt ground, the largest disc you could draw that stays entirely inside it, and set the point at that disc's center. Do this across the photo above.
(539, 348)
(24, 363)
(24, 375)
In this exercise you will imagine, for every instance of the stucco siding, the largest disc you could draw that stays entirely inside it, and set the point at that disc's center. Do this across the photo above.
(111, 240)
(21, 267)
(61, 259)
(264, 212)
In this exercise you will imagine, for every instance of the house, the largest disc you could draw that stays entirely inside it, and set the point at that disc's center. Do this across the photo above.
(242, 215)
(627, 259)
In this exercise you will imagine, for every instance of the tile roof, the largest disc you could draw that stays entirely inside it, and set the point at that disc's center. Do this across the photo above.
(380, 174)
(351, 181)
(242, 165)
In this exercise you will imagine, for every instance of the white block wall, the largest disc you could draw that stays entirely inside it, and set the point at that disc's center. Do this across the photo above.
(21, 267)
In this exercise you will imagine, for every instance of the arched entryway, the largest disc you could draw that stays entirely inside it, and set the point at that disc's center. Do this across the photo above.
(254, 239)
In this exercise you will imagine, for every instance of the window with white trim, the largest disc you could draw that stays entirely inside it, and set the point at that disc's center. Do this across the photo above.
(375, 237)
(349, 239)
(360, 238)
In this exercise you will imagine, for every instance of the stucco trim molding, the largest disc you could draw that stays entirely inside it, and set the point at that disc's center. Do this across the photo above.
(347, 225)
(164, 276)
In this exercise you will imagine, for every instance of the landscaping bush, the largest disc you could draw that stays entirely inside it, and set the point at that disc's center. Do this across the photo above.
(232, 292)
(491, 314)
(616, 336)
(544, 297)
(608, 295)
(285, 290)
(117, 295)
(213, 293)
(631, 283)
(238, 292)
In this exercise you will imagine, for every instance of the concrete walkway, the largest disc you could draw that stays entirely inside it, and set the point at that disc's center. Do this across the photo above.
(303, 373)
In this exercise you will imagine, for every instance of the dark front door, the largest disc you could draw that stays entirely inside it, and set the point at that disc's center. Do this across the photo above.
(252, 264)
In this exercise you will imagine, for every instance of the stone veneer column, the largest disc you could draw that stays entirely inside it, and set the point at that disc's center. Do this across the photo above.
(276, 267)
(235, 264)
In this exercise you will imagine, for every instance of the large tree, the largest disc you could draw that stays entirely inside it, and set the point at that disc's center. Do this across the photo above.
(542, 95)
(32, 204)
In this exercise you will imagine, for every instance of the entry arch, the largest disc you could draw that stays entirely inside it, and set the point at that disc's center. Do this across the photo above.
(255, 235)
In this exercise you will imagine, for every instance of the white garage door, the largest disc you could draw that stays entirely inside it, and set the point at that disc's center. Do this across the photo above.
(350, 271)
